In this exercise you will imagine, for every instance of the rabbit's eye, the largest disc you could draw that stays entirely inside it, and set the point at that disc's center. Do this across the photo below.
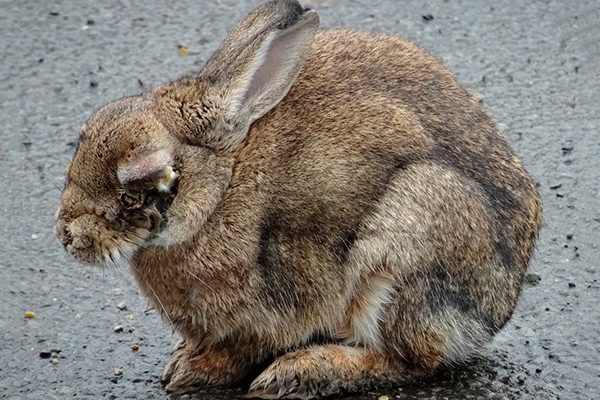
(131, 201)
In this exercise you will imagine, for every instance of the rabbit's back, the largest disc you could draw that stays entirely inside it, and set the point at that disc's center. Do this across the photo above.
(379, 162)
(367, 105)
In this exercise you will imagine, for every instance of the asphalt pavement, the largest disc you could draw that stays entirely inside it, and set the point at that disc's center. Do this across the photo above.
(535, 64)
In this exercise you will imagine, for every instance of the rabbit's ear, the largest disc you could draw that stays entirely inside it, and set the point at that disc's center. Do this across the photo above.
(256, 65)
(151, 170)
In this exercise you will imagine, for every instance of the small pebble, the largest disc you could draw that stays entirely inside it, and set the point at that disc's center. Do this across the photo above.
(567, 148)
(383, 398)
(183, 51)
(29, 314)
(118, 329)
(34, 236)
(129, 317)
(427, 17)
(135, 347)
(45, 354)
(122, 306)
(54, 361)
(572, 284)
(533, 279)
(118, 372)
(569, 236)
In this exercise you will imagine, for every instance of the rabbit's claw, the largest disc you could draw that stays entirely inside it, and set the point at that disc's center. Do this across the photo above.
(294, 376)
(191, 369)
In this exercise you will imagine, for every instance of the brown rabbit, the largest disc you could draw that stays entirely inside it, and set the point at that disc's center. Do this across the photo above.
(338, 185)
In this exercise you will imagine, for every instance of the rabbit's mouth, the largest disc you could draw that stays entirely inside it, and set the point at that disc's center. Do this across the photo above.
(91, 239)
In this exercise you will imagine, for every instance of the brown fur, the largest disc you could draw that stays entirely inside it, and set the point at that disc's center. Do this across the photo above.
(373, 204)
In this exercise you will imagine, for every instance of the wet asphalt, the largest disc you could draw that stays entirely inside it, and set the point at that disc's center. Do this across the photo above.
(536, 65)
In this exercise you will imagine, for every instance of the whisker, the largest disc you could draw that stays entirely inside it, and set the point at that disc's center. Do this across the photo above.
(139, 246)
(120, 272)
(115, 264)
(153, 292)
(187, 270)
(200, 280)
(135, 235)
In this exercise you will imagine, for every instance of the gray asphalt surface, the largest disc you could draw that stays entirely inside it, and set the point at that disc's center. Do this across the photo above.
(535, 63)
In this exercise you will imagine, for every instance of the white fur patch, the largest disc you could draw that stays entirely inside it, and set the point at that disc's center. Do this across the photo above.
(167, 180)
(367, 312)
(465, 337)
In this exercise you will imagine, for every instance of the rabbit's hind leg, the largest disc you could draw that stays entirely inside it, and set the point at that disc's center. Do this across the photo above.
(433, 322)
(320, 371)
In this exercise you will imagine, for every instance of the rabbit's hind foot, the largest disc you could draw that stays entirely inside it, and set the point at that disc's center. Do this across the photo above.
(321, 371)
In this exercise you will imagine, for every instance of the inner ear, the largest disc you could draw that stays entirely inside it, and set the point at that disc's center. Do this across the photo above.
(266, 68)
(151, 170)
(255, 66)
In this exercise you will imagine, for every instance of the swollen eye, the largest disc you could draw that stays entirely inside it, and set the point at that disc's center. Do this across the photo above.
(131, 201)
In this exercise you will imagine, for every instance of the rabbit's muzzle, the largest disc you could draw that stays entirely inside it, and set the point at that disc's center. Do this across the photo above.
(94, 239)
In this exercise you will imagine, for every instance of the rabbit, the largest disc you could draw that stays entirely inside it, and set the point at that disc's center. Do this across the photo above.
(332, 201)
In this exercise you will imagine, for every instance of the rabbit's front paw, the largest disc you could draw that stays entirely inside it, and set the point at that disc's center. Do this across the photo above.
(192, 368)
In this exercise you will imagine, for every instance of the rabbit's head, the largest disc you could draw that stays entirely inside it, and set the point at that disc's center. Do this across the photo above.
(149, 169)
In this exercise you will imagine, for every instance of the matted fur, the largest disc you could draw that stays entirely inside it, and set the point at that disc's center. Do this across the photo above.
(335, 185)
